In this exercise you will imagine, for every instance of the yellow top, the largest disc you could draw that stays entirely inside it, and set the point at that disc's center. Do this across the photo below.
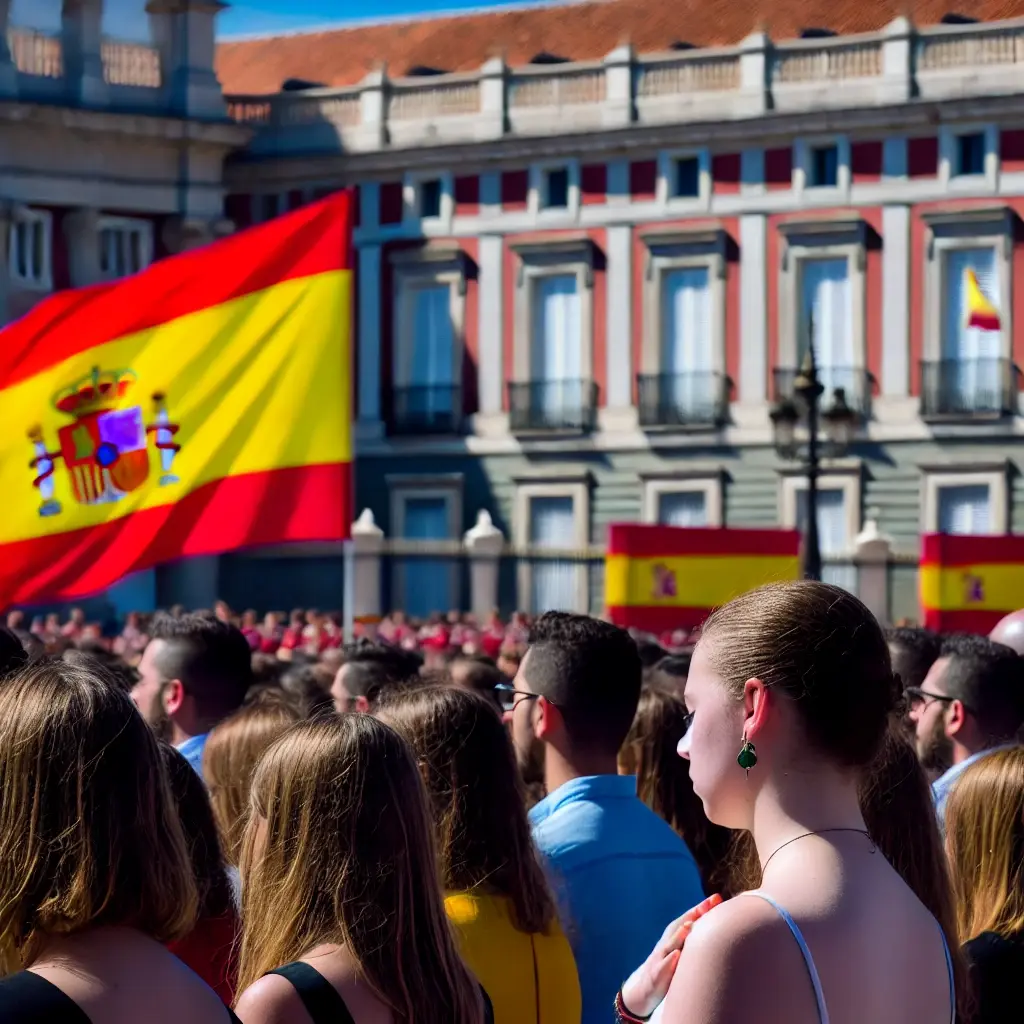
(519, 971)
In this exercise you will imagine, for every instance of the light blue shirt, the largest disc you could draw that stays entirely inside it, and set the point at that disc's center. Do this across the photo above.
(620, 874)
(192, 751)
(943, 785)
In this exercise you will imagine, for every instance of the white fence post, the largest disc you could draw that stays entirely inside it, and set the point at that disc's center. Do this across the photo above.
(484, 544)
(368, 543)
(873, 551)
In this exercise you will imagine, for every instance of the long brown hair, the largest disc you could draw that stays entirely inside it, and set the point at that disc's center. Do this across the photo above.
(985, 841)
(469, 767)
(663, 782)
(232, 751)
(338, 849)
(89, 833)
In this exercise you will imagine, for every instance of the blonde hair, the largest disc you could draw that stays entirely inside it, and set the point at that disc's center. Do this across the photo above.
(230, 756)
(985, 844)
(89, 832)
(338, 849)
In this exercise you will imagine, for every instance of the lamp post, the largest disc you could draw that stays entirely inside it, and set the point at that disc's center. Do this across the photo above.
(838, 421)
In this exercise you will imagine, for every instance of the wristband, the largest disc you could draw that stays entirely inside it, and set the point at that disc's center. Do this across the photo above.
(625, 1016)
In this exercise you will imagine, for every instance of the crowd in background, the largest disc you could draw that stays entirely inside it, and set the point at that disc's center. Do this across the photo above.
(462, 822)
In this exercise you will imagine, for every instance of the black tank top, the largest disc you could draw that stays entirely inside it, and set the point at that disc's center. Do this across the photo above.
(27, 998)
(321, 999)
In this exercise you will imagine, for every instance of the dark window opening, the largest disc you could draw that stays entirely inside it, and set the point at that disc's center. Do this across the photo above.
(687, 177)
(970, 151)
(825, 166)
(430, 198)
(556, 195)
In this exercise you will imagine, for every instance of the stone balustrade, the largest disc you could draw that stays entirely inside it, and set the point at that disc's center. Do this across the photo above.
(41, 55)
(722, 83)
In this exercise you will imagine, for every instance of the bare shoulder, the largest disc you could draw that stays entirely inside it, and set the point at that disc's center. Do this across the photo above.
(737, 928)
(271, 1000)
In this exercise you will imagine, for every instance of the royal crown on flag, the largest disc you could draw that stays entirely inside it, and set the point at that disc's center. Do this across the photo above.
(97, 391)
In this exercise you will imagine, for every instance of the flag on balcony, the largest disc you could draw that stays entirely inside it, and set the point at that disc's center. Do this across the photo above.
(967, 584)
(660, 578)
(198, 407)
(980, 312)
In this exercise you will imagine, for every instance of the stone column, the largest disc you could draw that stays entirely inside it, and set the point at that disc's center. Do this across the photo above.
(897, 75)
(484, 544)
(490, 369)
(184, 35)
(873, 550)
(368, 543)
(373, 109)
(82, 48)
(753, 307)
(618, 73)
(492, 97)
(82, 232)
(754, 57)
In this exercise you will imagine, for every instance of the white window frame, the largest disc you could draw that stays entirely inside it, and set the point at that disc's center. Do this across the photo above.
(994, 476)
(846, 478)
(31, 216)
(557, 258)
(948, 152)
(402, 487)
(667, 160)
(681, 250)
(841, 238)
(977, 228)
(802, 170)
(710, 485)
(578, 489)
(411, 200)
(429, 267)
(126, 224)
(538, 180)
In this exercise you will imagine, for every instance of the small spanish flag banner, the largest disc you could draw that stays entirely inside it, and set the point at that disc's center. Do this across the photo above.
(660, 578)
(980, 312)
(968, 584)
(198, 407)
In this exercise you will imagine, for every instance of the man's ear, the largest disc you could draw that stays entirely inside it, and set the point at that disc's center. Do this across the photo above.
(173, 696)
(956, 718)
(547, 719)
(362, 705)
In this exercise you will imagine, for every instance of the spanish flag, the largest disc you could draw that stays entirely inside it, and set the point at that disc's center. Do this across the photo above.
(198, 407)
(980, 312)
(968, 584)
(660, 578)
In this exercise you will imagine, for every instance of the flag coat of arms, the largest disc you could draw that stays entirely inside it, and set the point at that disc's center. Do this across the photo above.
(660, 578)
(201, 406)
(967, 584)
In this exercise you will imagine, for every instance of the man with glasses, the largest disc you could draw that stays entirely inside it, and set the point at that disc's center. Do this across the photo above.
(971, 702)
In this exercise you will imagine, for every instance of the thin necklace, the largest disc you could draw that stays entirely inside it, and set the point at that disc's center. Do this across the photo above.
(819, 832)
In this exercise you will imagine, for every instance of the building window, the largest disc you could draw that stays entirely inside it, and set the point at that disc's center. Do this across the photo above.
(553, 517)
(826, 315)
(426, 516)
(556, 189)
(970, 154)
(430, 198)
(683, 508)
(270, 206)
(824, 166)
(126, 247)
(555, 354)
(972, 502)
(686, 178)
(688, 501)
(30, 249)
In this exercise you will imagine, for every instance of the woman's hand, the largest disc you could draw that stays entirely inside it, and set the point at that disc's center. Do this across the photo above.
(648, 984)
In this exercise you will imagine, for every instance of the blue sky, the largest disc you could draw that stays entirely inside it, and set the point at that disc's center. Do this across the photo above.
(126, 18)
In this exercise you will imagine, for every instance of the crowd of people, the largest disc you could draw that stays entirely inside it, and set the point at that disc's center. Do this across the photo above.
(797, 818)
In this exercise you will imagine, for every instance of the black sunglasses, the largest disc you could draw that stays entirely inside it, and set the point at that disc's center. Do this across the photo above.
(915, 695)
(507, 695)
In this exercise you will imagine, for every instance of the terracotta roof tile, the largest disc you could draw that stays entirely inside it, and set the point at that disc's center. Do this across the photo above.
(578, 31)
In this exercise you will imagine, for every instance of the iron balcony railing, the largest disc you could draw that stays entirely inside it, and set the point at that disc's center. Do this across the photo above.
(968, 388)
(856, 383)
(552, 405)
(426, 409)
(697, 399)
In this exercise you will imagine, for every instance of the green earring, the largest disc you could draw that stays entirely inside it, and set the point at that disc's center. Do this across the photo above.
(747, 757)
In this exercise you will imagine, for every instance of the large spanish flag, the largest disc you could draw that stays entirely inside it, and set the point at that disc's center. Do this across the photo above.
(980, 312)
(969, 583)
(660, 578)
(200, 406)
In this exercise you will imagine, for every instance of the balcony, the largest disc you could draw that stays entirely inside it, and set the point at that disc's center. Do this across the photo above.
(856, 383)
(954, 389)
(691, 401)
(426, 409)
(552, 406)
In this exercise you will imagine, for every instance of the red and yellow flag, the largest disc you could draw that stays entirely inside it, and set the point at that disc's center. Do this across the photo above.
(980, 312)
(659, 578)
(968, 584)
(201, 406)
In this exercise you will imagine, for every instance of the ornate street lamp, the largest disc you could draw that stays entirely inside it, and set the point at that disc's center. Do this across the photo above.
(839, 422)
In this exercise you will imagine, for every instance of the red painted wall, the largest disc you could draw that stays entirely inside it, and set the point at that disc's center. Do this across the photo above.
(725, 173)
(593, 183)
(599, 370)
(923, 158)
(778, 169)
(391, 202)
(866, 161)
(1011, 150)
(471, 332)
(514, 188)
(732, 294)
(643, 180)
(467, 195)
